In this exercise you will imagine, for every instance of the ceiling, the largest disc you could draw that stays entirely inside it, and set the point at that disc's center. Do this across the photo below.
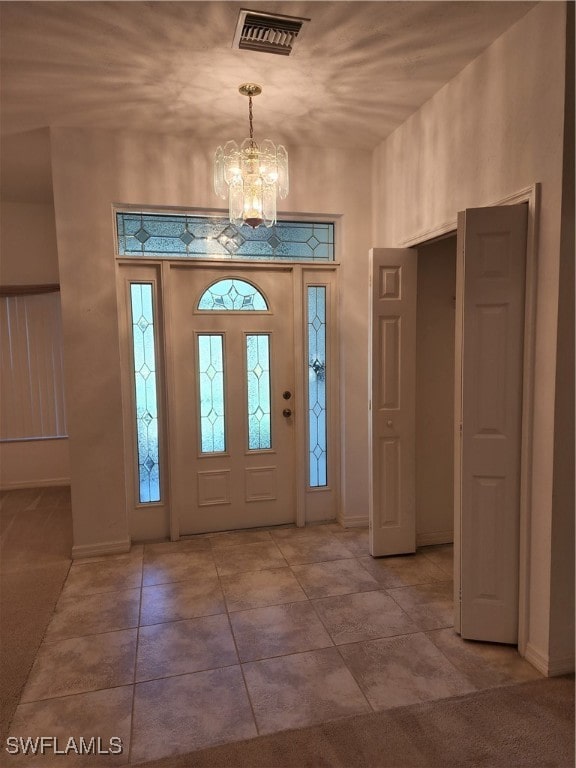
(360, 69)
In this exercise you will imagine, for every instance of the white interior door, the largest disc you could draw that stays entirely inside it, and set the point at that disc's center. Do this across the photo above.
(392, 420)
(489, 344)
(232, 398)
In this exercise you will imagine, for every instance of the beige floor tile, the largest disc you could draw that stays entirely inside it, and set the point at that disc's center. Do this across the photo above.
(314, 549)
(181, 714)
(103, 714)
(430, 606)
(181, 647)
(404, 571)
(338, 577)
(278, 630)
(161, 548)
(302, 689)
(236, 538)
(248, 557)
(81, 664)
(486, 665)
(91, 614)
(179, 566)
(105, 576)
(255, 589)
(181, 600)
(398, 671)
(306, 531)
(362, 616)
(356, 540)
(441, 555)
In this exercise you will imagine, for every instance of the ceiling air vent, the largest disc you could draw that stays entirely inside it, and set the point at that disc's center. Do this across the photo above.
(267, 32)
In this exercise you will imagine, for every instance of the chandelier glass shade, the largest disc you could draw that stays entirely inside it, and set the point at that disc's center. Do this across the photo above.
(251, 176)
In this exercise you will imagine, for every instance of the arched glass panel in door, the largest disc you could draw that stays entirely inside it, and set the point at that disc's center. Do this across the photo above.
(233, 295)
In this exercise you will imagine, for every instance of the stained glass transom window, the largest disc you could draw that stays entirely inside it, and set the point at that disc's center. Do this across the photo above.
(258, 381)
(317, 447)
(211, 377)
(178, 235)
(144, 360)
(232, 295)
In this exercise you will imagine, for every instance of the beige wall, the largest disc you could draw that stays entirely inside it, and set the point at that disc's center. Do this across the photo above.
(435, 315)
(34, 463)
(28, 255)
(93, 170)
(28, 244)
(493, 130)
(562, 586)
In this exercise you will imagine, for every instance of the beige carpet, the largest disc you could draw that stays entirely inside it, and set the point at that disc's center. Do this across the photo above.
(530, 725)
(35, 559)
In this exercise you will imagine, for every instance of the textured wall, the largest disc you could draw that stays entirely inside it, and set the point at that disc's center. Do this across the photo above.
(28, 244)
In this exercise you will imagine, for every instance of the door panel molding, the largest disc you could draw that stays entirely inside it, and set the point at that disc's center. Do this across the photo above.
(392, 416)
(491, 261)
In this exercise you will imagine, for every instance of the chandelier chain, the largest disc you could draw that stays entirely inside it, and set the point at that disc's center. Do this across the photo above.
(250, 117)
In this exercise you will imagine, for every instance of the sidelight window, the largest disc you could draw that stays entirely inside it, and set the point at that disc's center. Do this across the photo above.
(145, 386)
(317, 408)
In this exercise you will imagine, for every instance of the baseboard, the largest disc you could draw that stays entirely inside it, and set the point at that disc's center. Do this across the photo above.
(439, 537)
(103, 548)
(546, 665)
(356, 521)
(46, 483)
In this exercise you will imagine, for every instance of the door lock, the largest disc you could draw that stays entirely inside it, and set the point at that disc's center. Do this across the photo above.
(286, 395)
(286, 412)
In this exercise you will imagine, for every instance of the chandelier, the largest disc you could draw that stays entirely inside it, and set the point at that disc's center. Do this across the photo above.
(251, 176)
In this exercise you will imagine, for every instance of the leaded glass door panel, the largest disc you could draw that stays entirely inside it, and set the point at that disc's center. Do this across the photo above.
(232, 363)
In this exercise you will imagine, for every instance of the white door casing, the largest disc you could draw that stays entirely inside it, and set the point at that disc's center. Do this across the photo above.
(392, 381)
(489, 358)
(238, 487)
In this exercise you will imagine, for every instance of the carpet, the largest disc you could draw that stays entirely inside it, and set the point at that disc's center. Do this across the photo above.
(529, 725)
(35, 559)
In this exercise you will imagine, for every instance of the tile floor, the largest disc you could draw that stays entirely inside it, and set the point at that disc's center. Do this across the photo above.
(179, 646)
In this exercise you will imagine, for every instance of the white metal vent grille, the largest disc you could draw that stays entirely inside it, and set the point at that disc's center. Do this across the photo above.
(266, 32)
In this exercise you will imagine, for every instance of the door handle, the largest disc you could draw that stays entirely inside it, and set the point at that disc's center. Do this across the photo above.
(286, 412)
(389, 423)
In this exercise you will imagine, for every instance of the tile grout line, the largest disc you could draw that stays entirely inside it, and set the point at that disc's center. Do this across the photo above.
(131, 735)
(360, 688)
(237, 652)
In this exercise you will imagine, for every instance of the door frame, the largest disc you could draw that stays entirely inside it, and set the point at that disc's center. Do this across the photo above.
(160, 519)
(532, 196)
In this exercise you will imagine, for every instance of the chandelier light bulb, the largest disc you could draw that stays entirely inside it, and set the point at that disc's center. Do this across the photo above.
(251, 176)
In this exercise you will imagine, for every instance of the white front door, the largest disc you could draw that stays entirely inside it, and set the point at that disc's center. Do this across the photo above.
(392, 421)
(232, 397)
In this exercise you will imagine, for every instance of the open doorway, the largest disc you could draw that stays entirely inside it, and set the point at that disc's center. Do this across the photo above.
(410, 422)
(435, 332)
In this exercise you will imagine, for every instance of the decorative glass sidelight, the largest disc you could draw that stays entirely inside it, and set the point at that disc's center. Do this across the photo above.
(258, 387)
(143, 344)
(211, 377)
(317, 433)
